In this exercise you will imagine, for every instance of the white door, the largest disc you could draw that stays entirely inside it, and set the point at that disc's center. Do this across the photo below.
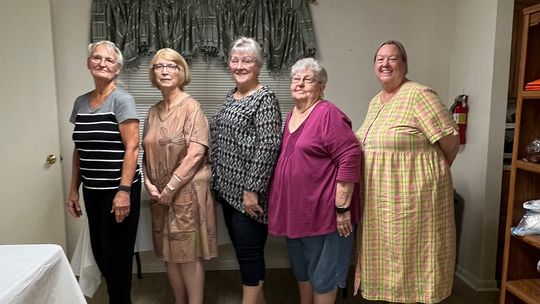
(31, 195)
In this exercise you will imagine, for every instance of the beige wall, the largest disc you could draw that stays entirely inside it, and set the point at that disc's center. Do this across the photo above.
(31, 201)
(71, 35)
(453, 46)
(348, 32)
(479, 68)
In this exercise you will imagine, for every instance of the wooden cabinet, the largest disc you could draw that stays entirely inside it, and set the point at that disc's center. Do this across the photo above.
(517, 23)
(505, 185)
(520, 279)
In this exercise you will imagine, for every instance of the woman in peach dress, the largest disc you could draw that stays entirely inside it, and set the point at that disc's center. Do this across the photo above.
(177, 177)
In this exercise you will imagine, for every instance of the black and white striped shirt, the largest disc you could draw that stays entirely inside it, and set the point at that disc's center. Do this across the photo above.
(98, 141)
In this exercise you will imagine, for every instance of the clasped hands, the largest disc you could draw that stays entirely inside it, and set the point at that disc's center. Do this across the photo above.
(165, 197)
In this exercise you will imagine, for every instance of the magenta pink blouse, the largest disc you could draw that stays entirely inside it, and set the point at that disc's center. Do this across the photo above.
(320, 152)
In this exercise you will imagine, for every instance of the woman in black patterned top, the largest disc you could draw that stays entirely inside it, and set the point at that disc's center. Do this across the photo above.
(245, 135)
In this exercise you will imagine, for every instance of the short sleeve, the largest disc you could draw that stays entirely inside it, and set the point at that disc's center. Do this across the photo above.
(433, 118)
(199, 131)
(124, 107)
(79, 106)
(75, 110)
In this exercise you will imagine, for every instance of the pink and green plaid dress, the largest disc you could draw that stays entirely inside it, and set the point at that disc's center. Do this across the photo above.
(407, 251)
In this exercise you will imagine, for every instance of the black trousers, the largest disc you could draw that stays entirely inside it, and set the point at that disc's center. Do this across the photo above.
(249, 238)
(112, 242)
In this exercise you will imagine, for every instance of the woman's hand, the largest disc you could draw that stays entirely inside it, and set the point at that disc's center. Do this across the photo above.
(121, 206)
(344, 191)
(152, 190)
(165, 197)
(251, 204)
(343, 223)
(72, 204)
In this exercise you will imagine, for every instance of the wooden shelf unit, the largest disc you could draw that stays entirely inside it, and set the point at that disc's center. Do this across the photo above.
(520, 281)
(527, 290)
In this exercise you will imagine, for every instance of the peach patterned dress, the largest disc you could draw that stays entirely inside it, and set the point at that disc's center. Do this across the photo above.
(186, 230)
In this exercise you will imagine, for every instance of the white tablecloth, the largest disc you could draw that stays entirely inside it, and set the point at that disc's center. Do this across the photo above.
(37, 274)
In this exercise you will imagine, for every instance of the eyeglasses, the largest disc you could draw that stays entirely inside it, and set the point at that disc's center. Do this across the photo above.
(108, 61)
(245, 60)
(163, 67)
(305, 79)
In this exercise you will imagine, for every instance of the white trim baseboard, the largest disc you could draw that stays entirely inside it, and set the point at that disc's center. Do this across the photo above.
(474, 282)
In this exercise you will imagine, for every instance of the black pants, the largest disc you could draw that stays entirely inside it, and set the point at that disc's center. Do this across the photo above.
(249, 238)
(112, 242)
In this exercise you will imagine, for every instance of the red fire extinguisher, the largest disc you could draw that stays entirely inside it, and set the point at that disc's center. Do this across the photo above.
(459, 111)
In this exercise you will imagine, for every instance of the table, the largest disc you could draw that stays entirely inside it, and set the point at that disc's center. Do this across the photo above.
(37, 274)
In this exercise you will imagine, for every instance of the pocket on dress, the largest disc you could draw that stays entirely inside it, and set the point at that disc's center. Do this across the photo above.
(158, 216)
(185, 212)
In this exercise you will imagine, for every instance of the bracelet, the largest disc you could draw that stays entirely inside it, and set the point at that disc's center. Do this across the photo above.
(124, 188)
(170, 188)
(342, 210)
(177, 178)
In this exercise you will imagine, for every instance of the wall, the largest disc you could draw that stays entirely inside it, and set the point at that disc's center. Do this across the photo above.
(71, 35)
(482, 73)
(452, 46)
(349, 32)
(31, 190)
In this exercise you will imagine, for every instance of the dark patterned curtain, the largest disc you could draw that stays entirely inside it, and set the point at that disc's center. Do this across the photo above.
(141, 27)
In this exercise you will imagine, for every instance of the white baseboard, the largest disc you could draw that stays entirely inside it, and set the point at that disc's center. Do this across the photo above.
(275, 257)
(221, 264)
(474, 282)
(232, 264)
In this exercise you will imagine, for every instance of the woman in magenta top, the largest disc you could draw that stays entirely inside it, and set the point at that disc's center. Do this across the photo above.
(314, 197)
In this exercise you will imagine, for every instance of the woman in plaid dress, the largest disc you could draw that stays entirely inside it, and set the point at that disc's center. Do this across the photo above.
(409, 140)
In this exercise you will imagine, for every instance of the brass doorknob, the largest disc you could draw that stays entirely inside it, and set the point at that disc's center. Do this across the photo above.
(51, 159)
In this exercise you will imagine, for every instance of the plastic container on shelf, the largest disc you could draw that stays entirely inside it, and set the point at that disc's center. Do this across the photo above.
(533, 151)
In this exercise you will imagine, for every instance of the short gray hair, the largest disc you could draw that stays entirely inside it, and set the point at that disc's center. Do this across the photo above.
(246, 44)
(310, 64)
(111, 46)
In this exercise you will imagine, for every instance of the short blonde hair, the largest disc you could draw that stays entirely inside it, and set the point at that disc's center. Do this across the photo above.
(174, 56)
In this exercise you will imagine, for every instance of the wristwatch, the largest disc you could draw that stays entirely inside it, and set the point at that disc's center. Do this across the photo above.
(124, 188)
(342, 210)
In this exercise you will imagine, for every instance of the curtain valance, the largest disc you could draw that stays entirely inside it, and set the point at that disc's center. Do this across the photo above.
(140, 27)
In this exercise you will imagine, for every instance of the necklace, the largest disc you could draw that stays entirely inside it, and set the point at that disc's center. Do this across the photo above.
(241, 95)
(307, 108)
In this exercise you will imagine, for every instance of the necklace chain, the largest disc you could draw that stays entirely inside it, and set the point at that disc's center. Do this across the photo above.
(240, 95)
(307, 108)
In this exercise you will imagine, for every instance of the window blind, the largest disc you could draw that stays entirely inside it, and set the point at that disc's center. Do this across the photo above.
(210, 82)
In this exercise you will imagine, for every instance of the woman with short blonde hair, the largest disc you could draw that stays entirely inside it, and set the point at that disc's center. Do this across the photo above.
(177, 177)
